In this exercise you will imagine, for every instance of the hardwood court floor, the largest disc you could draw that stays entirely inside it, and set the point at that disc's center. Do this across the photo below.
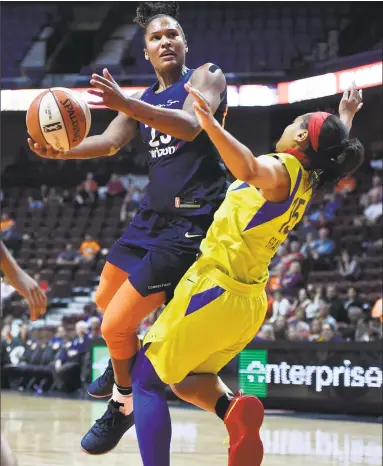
(47, 432)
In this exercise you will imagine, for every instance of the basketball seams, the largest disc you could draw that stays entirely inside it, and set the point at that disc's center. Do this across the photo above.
(62, 118)
(87, 121)
(38, 118)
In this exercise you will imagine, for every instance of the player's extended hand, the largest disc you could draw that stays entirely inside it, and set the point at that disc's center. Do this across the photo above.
(109, 91)
(201, 107)
(30, 290)
(46, 152)
(352, 102)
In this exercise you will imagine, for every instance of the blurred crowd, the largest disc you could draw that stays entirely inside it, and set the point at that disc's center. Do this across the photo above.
(53, 359)
(42, 359)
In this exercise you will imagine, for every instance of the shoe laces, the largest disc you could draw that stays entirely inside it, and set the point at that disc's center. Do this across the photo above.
(108, 373)
(111, 417)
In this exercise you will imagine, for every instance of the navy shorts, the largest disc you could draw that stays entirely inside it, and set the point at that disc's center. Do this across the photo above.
(151, 271)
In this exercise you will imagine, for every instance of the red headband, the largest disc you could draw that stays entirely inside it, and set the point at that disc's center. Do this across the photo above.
(315, 125)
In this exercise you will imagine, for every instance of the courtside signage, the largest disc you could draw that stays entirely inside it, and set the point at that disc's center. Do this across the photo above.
(256, 375)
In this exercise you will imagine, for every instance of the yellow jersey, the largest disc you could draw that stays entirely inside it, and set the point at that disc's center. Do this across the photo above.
(247, 229)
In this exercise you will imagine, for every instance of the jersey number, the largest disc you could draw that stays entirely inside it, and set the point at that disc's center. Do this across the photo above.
(157, 137)
(295, 213)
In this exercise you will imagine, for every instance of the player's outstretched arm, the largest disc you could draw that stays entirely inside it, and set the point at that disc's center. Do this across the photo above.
(119, 133)
(23, 283)
(263, 172)
(181, 124)
(351, 103)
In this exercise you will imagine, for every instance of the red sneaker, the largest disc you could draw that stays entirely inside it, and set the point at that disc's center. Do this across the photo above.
(243, 421)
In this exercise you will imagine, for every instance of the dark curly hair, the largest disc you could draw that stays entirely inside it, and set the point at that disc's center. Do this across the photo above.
(147, 11)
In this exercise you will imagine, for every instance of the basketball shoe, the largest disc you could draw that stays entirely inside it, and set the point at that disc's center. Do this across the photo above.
(103, 386)
(243, 421)
(107, 431)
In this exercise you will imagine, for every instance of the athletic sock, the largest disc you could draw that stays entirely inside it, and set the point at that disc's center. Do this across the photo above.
(124, 390)
(223, 404)
(125, 400)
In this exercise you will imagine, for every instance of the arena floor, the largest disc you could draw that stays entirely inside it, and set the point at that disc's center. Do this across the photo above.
(47, 432)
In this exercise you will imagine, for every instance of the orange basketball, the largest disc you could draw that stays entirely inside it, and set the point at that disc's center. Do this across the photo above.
(59, 118)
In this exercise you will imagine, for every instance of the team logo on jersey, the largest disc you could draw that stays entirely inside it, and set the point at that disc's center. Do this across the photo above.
(161, 152)
(52, 127)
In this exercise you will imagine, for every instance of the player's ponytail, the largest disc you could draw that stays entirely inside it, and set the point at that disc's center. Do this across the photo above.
(147, 11)
(331, 154)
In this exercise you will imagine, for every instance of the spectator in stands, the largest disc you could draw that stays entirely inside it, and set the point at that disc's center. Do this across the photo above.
(94, 327)
(377, 310)
(319, 218)
(6, 336)
(7, 225)
(54, 198)
(88, 188)
(131, 203)
(332, 205)
(335, 305)
(280, 328)
(115, 186)
(346, 185)
(375, 209)
(302, 331)
(293, 279)
(35, 204)
(69, 257)
(321, 250)
(67, 197)
(43, 193)
(356, 319)
(315, 329)
(24, 335)
(281, 305)
(78, 198)
(298, 316)
(266, 333)
(376, 190)
(292, 256)
(348, 267)
(68, 363)
(376, 162)
(305, 228)
(353, 299)
(306, 246)
(324, 315)
(303, 300)
(89, 248)
(328, 334)
(291, 333)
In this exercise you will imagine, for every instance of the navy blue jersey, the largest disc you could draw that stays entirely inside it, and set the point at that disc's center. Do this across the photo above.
(185, 178)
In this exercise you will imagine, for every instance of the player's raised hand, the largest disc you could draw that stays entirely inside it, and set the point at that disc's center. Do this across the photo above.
(201, 107)
(46, 152)
(352, 101)
(108, 91)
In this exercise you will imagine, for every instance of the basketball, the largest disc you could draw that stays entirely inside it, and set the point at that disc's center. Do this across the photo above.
(59, 118)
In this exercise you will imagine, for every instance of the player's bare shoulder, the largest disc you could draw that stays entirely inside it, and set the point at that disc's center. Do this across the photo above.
(211, 72)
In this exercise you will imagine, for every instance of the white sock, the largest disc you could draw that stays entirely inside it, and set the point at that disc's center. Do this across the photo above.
(126, 400)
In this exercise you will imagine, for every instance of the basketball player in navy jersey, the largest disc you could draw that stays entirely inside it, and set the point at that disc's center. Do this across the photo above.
(187, 185)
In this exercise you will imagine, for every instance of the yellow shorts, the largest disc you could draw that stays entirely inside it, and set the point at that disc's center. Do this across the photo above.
(208, 322)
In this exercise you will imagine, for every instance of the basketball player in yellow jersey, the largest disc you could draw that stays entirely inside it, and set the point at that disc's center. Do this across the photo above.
(220, 303)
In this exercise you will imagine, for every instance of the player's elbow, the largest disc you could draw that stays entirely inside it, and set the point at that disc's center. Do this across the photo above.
(192, 132)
